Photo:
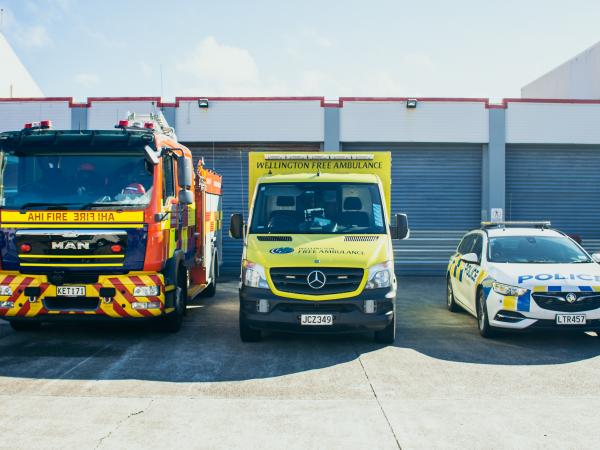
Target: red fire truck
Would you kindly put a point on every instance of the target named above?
(105, 224)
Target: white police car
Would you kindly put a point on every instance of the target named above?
(517, 275)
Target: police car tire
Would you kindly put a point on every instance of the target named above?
(483, 323)
(248, 334)
(388, 334)
(22, 325)
(450, 301)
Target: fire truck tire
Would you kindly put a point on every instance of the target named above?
(22, 325)
(211, 289)
(172, 322)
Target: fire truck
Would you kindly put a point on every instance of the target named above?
(105, 224)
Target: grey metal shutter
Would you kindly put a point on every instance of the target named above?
(556, 183)
(439, 187)
(231, 161)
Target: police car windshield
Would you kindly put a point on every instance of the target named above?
(74, 181)
(318, 208)
(535, 250)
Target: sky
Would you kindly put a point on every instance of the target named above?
(169, 48)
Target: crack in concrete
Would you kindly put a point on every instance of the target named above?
(121, 422)
(377, 398)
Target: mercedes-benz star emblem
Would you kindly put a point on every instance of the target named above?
(571, 298)
(316, 279)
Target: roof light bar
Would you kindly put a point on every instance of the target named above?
(319, 156)
(542, 224)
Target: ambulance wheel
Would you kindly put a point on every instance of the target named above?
(172, 322)
(24, 325)
(388, 334)
(211, 289)
(483, 323)
(450, 301)
(248, 334)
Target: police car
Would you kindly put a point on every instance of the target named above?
(518, 275)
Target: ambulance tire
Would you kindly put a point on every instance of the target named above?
(23, 325)
(483, 323)
(450, 300)
(388, 334)
(172, 322)
(248, 334)
(211, 289)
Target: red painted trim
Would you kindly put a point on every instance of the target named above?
(552, 100)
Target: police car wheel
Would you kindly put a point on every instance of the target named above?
(483, 323)
(248, 334)
(450, 302)
(22, 325)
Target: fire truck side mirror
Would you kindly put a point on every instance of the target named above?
(184, 172)
(399, 228)
(185, 197)
(152, 156)
(236, 226)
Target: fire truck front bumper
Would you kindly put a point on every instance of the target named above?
(136, 295)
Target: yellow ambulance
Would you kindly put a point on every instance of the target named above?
(318, 253)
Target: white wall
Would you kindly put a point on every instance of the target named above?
(431, 121)
(104, 115)
(14, 114)
(250, 121)
(552, 123)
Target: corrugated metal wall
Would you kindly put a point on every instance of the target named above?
(439, 187)
(556, 183)
(231, 161)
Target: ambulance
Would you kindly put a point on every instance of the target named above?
(318, 253)
(524, 275)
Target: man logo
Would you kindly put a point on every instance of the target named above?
(281, 250)
(70, 245)
(571, 298)
(316, 279)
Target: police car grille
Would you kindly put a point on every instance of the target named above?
(556, 301)
(294, 280)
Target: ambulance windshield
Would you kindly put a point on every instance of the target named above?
(318, 208)
(536, 250)
(74, 181)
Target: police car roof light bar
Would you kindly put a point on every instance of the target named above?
(539, 224)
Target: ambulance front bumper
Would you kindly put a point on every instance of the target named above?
(284, 314)
(520, 313)
(33, 297)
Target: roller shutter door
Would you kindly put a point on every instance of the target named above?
(231, 161)
(439, 187)
(556, 183)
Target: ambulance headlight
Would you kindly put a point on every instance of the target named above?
(146, 291)
(507, 289)
(5, 290)
(253, 275)
(380, 275)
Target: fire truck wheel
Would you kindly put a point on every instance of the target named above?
(211, 289)
(248, 334)
(22, 325)
(172, 322)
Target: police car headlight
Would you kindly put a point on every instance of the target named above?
(253, 275)
(146, 291)
(507, 289)
(5, 290)
(380, 275)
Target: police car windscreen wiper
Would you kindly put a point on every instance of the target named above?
(48, 205)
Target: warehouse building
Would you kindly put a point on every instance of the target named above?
(455, 161)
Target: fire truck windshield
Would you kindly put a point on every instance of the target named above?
(72, 181)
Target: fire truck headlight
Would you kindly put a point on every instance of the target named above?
(5, 290)
(7, 304)
(146, 291)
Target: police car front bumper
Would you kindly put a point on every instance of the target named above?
(284, 314)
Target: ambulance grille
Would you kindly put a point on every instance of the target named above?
(361, 238)
(556, 301)
(295, 280)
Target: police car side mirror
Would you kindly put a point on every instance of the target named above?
(236, 226)
(470, 258)
(596, 257)
(399, 227)
(185, 197)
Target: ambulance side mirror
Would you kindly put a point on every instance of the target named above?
(596, 257)
(184, 172)
(185, 197)
(399, 227)
(470, 258)
(236, 226)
